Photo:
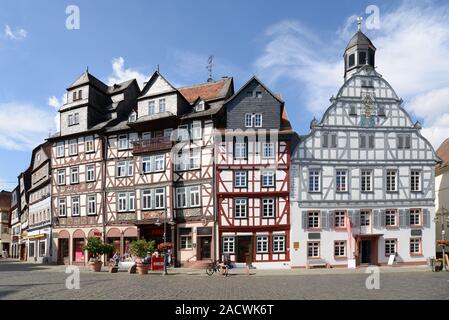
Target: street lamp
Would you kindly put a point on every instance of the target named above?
(442, 213)
(158, 223)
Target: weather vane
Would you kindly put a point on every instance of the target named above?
(210, 66)
(359, 23)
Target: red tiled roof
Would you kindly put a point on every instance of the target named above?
(443, 153)
(207, 91)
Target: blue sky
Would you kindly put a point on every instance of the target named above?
(295, 47)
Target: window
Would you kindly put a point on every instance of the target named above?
(258, 95)
(154, 163)
(80, 94)
(415, 180)
(122, 142)
(188, 160)
(341, 180)
(73, 119)
(74, 175)
(404, 141)
(132, 117)
(381, 111)
(196, 130)
(73, 147)
(126, 201)
(60, 149)
(313, 219)
(240, 207)
(31, 249)
(75, 206)
(183, 132)
(168, 132)
(240, 150)
(186, 242)
(268, 150)
(61, 177)
(366, 180)
(62, 209)
(89, 144)
(253, 120)
(41, 248)
(351, 60)
(268, 208)
(366, 141)
(228, 244)
(267, 178)
(392, 180)
(340, 249)
(329, 140)
(151, 108)
(352, 110)
(390, 218)
(313, 249)
(365, 218)
(249, 94)
(90, 173)
(240, 179)
(415, 246)
(339, 221)
(91, 204)
(124, 168)
(74, 96)
(262, 244)
(153, 199)
(362, 58)
(188, 197)
(161, 105)
(278, 244)
(415, 217)
(314, 181)
(199, 106)
(390, 247)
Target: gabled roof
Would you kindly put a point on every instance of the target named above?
(87, 78)
(443, 154)
(122, 86)
(208, 91)
(149, 83)
(254, 78)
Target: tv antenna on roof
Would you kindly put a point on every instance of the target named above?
(209, 67)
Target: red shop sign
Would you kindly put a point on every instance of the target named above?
(156, 232)
(157, 263)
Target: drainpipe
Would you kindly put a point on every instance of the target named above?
(103, 187)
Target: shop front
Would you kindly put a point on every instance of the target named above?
(78, 244)
(63, 247)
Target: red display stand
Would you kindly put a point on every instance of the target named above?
(157, 263)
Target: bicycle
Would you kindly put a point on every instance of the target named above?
(218, 267)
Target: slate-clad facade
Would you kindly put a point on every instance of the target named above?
(363, 178)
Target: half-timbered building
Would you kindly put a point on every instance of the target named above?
(364, 176)
(252, 179)
(39, 216)
(24, 186)
(78, 160)
(15, 223)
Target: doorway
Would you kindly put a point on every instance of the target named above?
(23, 252)
(365, 251)
(244, 248)
(63, 251)
(204, 248)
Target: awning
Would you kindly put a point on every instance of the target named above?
(38, 236)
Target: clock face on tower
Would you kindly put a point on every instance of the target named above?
(367, 119)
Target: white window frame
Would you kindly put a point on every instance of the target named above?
(127, 166)
(151, 107)
(61, 177)
(340, 219)
(366, 180)
(279, 244)
(268, 207)
(89, 145)
(73, 147)
(185, 242)
(240, 150)
(62, 204)
(262, 244)
(228, 245)
(199, 106)
(190, 197)
(258, 120)
(197, 130)
(122, 142)
(340, 248)
(313, 220)
(126, 201)
(60, 149)
(415, 180)
(415, 213)
(391, 180)
(242, 205)
(248, 120)
(153, 199)
(91, 203)
(75, 200)
(313, 249)
(240, 179)
(412, 246)
(161, 104)
(90, 173)
(268, 178)
(74, 173)
(365, 218)
(314, 181)
(268, 150)
(389, 213)
(391, 244)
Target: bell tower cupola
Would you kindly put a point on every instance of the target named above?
(359, 52)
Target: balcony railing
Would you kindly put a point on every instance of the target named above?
(149, 145)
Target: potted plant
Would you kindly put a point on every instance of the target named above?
(139, 249)
(96, 248)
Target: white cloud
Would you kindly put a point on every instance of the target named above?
(121, 74)
(56, 104)
(412, 45)
(15, 35)
(23, 126)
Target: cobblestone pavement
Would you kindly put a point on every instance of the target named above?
(28, 281)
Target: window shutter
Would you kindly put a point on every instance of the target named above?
(407, 218)
(376, 220)
(371, 141)
(382, 218)
(400, 142)
(304, 219)
(407, 142)
(362, 141)
(331, 219)
(402, 218)
(356, 217)
(334, 140)
(324, 220)
(325, 140)
(426, 218)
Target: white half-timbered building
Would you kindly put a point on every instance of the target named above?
(252, 179)
(363, 178)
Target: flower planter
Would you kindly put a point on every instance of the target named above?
(95, 266)
(142, 268)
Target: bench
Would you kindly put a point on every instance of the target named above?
(313, 263)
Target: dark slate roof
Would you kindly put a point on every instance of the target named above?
(87, 78)
(359, 39)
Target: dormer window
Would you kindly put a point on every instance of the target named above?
(199, 106)
(259, 95)
(132, 117)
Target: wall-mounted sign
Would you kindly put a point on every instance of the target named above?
(296, 245)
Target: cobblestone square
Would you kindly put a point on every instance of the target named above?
(29, 281)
